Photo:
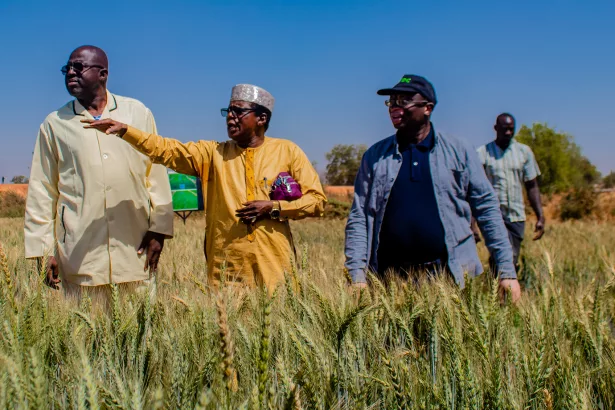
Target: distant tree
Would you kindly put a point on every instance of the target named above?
(19, 179)
(584, 173)
(609, 180)
(579, 203)
(344, 162)
(560, 160)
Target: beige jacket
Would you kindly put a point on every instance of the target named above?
(92, 197)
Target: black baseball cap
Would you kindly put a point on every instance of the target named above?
(412, 84)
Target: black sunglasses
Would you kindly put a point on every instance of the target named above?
(405, 103)
(238, 111)
(79, 68)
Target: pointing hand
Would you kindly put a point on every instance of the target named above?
(108, 126)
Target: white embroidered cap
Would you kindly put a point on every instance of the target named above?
(253, 94)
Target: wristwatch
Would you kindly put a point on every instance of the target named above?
(275, 211)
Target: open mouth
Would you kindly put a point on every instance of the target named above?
(396, 118)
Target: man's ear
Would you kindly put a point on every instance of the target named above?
(103, 73)
(262, 120)
(429, 109)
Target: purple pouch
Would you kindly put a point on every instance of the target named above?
(285, 188)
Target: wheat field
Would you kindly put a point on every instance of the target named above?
(313, 343)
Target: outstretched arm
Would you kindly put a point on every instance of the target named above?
(187, 158)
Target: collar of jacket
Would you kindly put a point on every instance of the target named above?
(79, 109)
(392, 147)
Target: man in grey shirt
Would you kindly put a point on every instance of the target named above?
(509, 166)
(447, 185)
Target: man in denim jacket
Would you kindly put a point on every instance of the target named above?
(414, 197)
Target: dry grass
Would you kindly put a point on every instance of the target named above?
(342, 193)
(314, 344)
(12, 204)
(19, 189)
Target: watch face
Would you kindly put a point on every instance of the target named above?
(275, 213)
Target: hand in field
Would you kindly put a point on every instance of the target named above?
(512, 286)
(108, 126)
(356, 290)
(540, 229)
(52, 278)
(475, 230)
(152, 243)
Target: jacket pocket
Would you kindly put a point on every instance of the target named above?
(63, 223)
(460, 182)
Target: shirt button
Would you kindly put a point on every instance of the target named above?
(415, 164)
(108, 188)
(105, 156)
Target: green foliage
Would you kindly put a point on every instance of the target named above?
(335, 209)
(344, 163)
(12, 205)
(578, 204)
(560, 160)
(19, 179)
(314, 344)
(609, 180)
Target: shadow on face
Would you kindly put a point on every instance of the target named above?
(86, 72)
(409, 110)
(505, 127)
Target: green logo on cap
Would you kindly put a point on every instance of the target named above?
(405, 80)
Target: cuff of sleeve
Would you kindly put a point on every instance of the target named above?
(508, 275)
(39, 249)
(34, 257)
(528, 178)
(286, 209)
(357, 276)
(134, 136)
(168, 233)
(162, 221)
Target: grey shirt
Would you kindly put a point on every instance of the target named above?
(508, 170)
(461, 190)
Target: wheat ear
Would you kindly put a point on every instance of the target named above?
(226, 346)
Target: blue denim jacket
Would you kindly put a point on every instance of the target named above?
(461, 190)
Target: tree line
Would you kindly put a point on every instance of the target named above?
(561, 162)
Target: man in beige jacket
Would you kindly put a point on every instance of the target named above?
(91, 224)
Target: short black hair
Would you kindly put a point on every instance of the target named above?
(260, 110)
(504, 115)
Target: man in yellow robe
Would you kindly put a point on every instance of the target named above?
(97, 210)
(248, 237)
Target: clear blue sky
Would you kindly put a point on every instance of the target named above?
(550, 61)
